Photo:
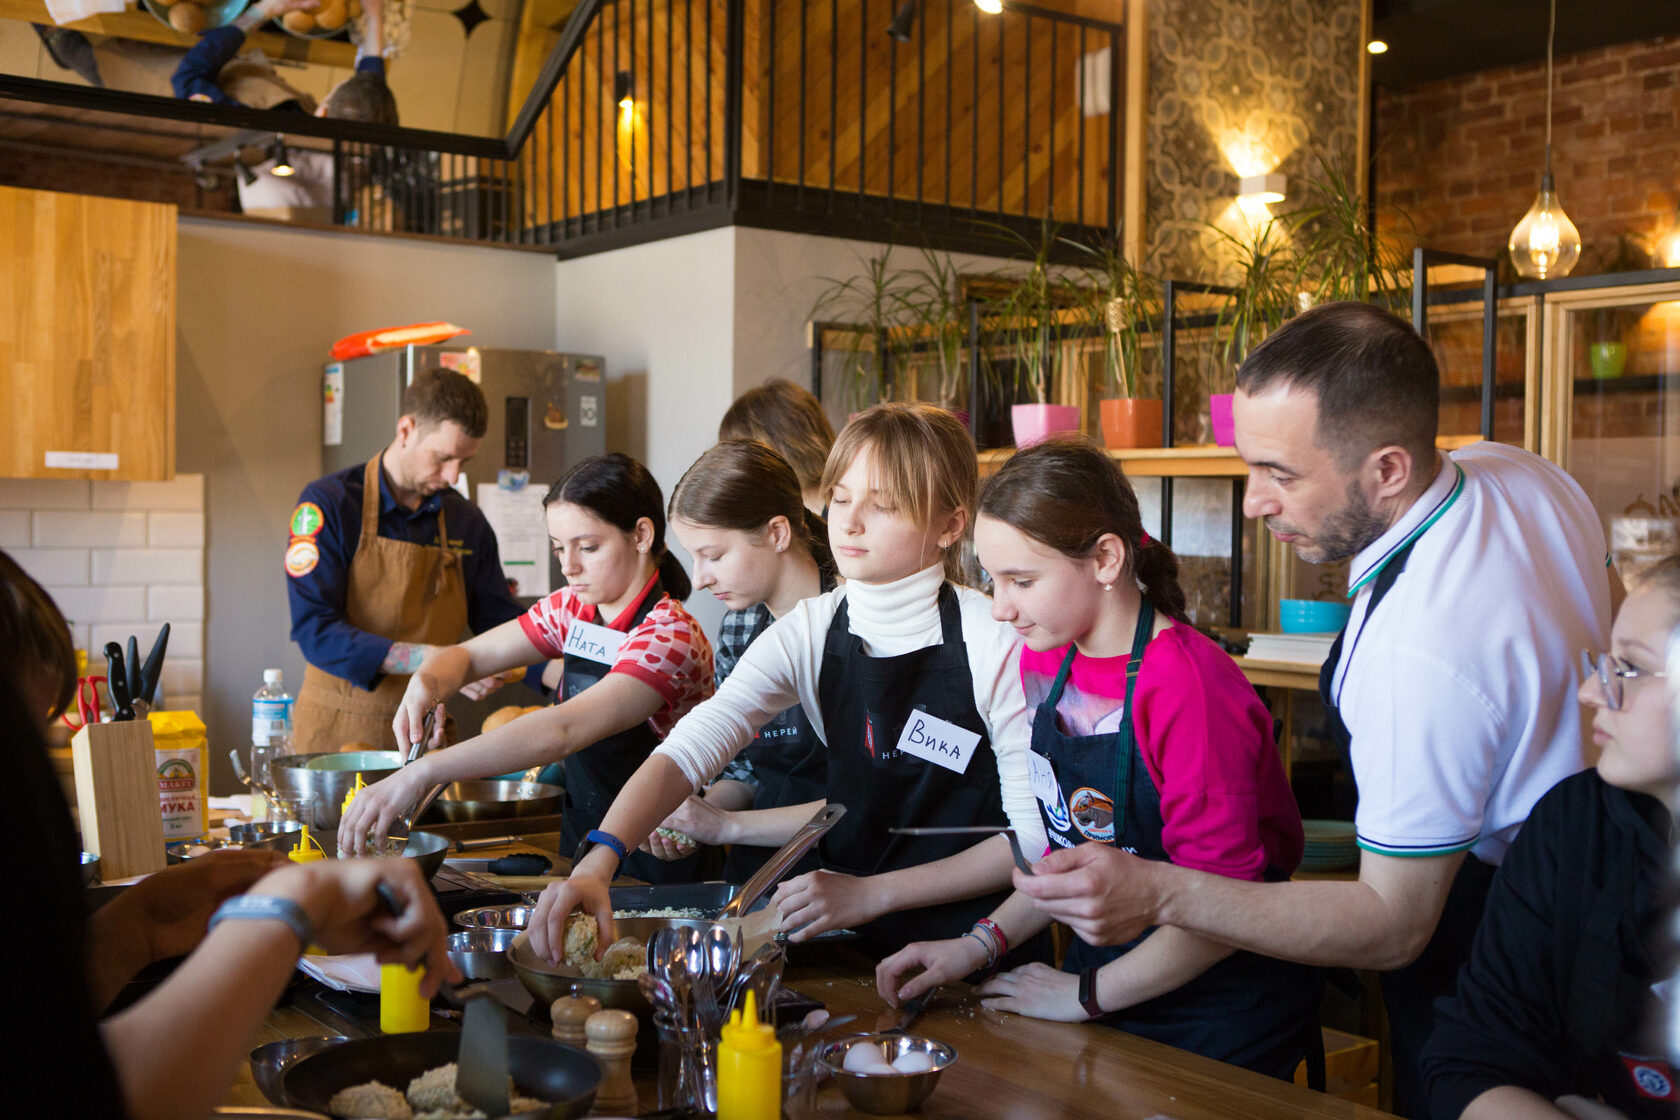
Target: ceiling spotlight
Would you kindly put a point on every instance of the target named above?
(1262, 188)
(900, 27)
(282, 162)
(246, 175)
(990, 7)
(624, 90)
(1377, 46)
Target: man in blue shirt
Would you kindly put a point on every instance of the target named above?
(385, 561)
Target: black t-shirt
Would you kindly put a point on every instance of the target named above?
(53, 1061)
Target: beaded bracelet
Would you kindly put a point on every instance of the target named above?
(996, 931)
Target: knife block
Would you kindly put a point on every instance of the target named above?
(117, 797)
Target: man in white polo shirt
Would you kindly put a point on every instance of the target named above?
(1476, 579)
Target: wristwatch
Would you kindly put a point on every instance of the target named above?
(595, 839)
(1088, 994)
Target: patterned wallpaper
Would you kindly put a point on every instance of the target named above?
(1242, 87)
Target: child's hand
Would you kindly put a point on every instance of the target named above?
(1036, 990)
(824, 900)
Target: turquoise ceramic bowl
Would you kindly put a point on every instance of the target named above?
(1312, 616)
(215, 14)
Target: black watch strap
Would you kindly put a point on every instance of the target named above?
(1088, 994)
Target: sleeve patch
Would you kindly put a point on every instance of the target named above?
(301, 557)
(306, 520)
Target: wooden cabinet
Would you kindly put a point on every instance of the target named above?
(87, 337)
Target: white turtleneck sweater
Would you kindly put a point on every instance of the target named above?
(781, 668)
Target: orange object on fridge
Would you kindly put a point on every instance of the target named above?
(363, 343)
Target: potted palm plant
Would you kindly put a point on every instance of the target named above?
(1118, 300)
(871, 303)
(931, 307)
(1032, 314)
(1266, 294)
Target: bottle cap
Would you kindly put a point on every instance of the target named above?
(303, 853)
(744, 1031)
(350, 794)
(273, 676)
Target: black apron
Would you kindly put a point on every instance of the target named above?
(1410, 992)
(791, 767)
(866, 702)
(596, 774)
(1249, 1010)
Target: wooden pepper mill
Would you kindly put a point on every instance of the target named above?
(612, 1040)
(570, 1014)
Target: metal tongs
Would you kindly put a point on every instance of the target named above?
(403, 825)
(975, 830)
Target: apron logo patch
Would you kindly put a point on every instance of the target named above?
(1652, 1077)
(306, 520)
(301, 558)
(1093, 814)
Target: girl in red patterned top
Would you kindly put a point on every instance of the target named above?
(634, 662)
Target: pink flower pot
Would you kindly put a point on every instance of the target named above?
(1219, 412)
(1034, 423)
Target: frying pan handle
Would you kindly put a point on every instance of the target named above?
(777, 866)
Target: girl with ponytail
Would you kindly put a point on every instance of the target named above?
(635, 661)
(739, 512)
(1145, 735)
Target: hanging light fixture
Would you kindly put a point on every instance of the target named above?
(246, 175)
(1546, 243)
(990, 7)
(282, 162)
(900, 27)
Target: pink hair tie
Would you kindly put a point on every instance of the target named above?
(1143, 540)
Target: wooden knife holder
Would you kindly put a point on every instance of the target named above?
(117, 797)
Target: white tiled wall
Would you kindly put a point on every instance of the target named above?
(119, 558)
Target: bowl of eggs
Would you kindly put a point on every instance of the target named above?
(884, 1074)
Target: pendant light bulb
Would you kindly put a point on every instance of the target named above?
(1545, 244)
(990, 7)
(282, 161)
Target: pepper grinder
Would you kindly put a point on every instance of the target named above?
(612, 1040)
(570, 1014)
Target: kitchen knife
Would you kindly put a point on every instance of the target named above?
(116, 680)
(520, 863)
(975, 830)
(154, 666)
(897, 1020)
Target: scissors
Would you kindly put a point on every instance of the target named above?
(87, 703)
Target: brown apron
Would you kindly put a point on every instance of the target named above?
(402, 591)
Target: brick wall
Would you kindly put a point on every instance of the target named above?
(118, 558)
(1463, 156)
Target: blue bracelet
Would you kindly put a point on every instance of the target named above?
(266, 906)
(596, 836)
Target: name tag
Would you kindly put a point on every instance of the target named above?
(934, 740)
(592, 642)
(1044, 785)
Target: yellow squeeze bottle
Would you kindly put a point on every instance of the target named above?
(749, 1067)
(401, 1006)
(303, 853)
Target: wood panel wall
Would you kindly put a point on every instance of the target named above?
(87, 333)
(976, 111)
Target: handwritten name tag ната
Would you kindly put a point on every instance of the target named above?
(593, 642)
(937, 741)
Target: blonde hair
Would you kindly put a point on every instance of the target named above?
(924, 464)
(789, 419)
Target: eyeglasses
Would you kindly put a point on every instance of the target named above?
(1611, 672)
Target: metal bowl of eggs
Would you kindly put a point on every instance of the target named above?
(883, 1074)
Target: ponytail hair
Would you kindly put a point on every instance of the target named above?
(924, 463)
(744, 484)
(1066, 493)
(620, 491)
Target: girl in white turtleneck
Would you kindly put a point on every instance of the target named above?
(910, 683)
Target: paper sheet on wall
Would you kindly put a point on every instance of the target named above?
(521, 531)
(332, 405)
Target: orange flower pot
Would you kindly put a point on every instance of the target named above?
(1131, 422)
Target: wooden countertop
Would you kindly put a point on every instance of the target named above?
(1009, 1067)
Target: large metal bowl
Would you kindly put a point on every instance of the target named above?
(481, 954)
(324, 779)
(270, 1060)
(541, 1068)
(549, 982)
(496, 800)
(279, 836)
(512, 916)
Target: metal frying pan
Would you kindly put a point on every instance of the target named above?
(541, 1068)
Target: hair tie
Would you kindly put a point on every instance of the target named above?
(1143, 538)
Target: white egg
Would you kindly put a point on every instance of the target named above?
(913, 1061)
(866, 1057)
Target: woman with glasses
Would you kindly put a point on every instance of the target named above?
(1560, 1010)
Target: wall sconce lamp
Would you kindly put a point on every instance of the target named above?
(900, 27)
(246, 175)
(1271, 187)
(1377, 46)
(1668, 245)
(624, 90)
(990, 7)
(282, 162)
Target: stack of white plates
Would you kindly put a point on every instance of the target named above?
(1331, 846)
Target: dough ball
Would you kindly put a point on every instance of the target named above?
(373, 1099)
(532, 708)
(582, 936)
(188, 19)
(624, 955)
(501, 717)
(166, 3)
(299, 22)
(332, 14)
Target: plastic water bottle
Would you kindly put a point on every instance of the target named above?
(271, 733)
